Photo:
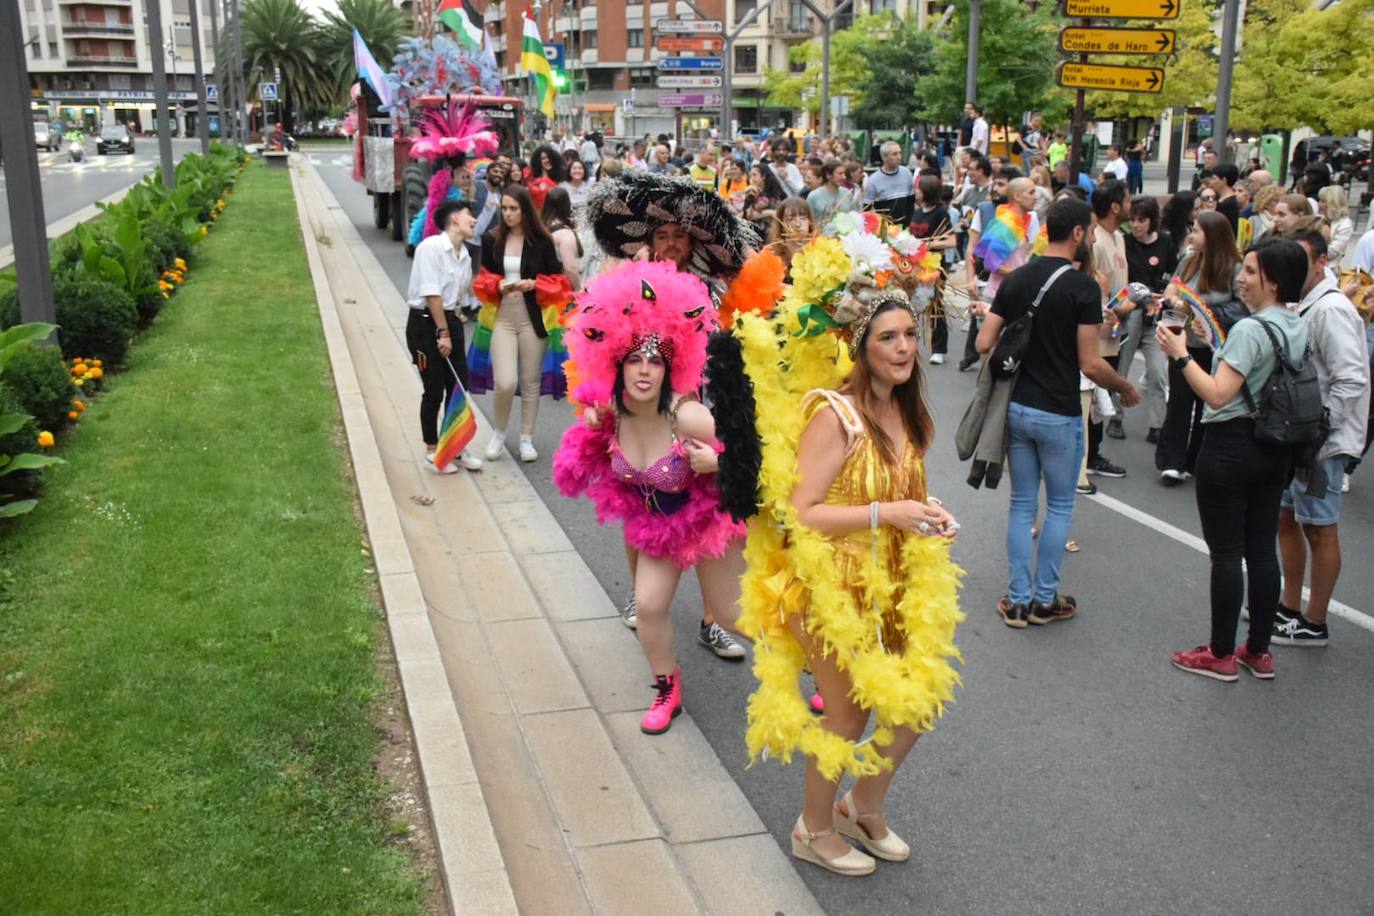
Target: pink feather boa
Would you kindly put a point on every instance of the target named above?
(697, 531)
(438, 193)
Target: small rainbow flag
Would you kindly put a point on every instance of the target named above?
(1121, 297)
(458, 429)
(1000, 240)
(1205, 323)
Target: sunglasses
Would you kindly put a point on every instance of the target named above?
(1208, 197)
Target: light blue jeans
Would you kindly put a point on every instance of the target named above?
(1043, 446)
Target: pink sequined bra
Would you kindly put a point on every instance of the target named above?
(663, 484)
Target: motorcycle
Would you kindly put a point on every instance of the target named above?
(76, 148)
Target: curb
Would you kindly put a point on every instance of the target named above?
(61, 227)
(462, 824)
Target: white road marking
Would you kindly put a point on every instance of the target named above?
(1343, 611)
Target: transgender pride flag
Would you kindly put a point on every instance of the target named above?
(370, 70)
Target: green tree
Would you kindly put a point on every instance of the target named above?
(282, 35)
(382, 26)
(1017, 50)
(799, 86)
(1190, 78)
(889, 56)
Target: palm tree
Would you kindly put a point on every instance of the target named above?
(382, 26)
(282, 35)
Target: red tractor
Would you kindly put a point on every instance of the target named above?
(399, 185)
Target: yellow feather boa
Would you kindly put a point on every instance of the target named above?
(784, 574)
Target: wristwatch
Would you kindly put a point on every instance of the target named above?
(1183, 361)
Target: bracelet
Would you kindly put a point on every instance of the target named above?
(442, 332)
(873, 515)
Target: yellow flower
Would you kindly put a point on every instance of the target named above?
(818, 268)
(97, 372)
(181, 265)
(78, 382)
(45, 439)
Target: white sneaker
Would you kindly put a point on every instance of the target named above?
(1345, 483)
(449, 468)
(496, 447)
(527, 452)
(937, 359)
(1172, 474)
(470, 461)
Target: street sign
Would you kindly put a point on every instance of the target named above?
(1123, 9)
(690, 63)
(211, 92)
(675, 81)
(688, 26)
(1116, 41)
(691, 100)
(627, 105)
(267, 92)
(554, 52)
(1110, 78)
(699, 43)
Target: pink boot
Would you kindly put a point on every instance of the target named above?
(667, 703)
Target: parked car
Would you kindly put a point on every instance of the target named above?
(44, 137)
(114, 139)
(1346, 154)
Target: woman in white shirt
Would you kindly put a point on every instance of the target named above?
(1335, 206)
(577, 185)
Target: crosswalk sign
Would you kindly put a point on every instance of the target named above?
(211, 92)
(267, 92)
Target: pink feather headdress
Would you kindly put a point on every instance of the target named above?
(635, 305)
(452, 131)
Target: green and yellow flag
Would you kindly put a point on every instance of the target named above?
(533, 62)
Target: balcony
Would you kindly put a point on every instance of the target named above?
(95, 27)
(495, 12)
(123, 3)
(791, 27)
(88, 60)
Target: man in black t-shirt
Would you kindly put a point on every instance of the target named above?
(1224, 178)
(1045, 419)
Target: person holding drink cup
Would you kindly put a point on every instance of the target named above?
(1151, 258)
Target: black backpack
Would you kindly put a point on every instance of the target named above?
(1290, 410)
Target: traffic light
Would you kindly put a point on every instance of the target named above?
(560, 80)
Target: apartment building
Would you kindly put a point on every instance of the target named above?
(89, 61)
(613, 65)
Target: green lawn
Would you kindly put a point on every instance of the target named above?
(188, 636)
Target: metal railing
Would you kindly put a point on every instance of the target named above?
(77, 25)
(94, 61)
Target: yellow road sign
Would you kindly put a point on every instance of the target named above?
(1109, 78)
(1116, 41)
(1123, 9)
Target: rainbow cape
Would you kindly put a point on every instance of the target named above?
(1205, 323)
(1000, 240)
(458, 429)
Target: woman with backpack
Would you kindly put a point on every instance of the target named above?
(1240, 478)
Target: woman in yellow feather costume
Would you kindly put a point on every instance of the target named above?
(849, 568)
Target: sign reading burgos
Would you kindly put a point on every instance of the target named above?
(1122, 9)
(1078, 40)
(1110, 78)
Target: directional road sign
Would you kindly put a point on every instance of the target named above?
(1123, 9)
(698, 43)
(1110, 78)
(674, 81)
(1116, 41)
(690, 63)
(267, 92)
(688, 26)
(691, 100)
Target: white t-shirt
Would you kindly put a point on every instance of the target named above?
(439, 270)
(1116, 168)
(979, 141)
(1364, 252)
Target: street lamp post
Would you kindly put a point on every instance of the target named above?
(164, 129)
(202, 115)
(220, 94)
(174, 106)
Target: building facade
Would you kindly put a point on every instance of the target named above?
(90, 62)
(612, 62)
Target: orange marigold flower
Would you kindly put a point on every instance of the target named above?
(45, 439)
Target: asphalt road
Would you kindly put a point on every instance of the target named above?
(1077, 772)
(69, 186)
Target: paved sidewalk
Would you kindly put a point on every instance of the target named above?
(588, 815)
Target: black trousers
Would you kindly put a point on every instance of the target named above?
(1239, 484)
(939, 334)
(971, 341)
(1180, 437)
(435, 375)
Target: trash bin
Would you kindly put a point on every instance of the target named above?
(1271, 148)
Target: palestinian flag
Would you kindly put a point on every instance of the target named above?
(463, 21)
(533, 62)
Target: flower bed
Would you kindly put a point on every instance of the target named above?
(111, 277)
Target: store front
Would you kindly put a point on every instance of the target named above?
(93, 110)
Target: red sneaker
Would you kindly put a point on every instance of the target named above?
(1260, 664)
(1202, 661)
(666, 706)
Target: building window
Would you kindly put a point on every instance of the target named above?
(634, 38)
(743, 8)
(795, 66)
(589, 40)
(747, 59)
(642, 78)
(600, 79)
(884, 6)
(52, 49)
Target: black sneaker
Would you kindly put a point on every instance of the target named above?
(1013, 615)
(1281, 615)
(1087, 489)
(1299, 631)
(1115, 430)
(1152, 436)
(967, 364)
(1104, 468)
(1061, 608)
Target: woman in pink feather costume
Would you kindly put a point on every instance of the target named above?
(646, 451)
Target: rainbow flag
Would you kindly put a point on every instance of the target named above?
(1205, 323)
(533, 62)
(1121, 297)
(458, 429)
(1000, 240)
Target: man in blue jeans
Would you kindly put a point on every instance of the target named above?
(1044, 420)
